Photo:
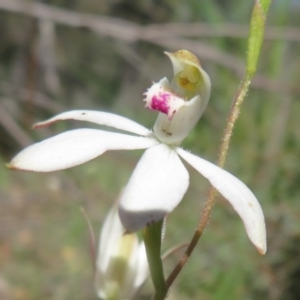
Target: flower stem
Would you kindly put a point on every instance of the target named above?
(152, 240)
(255, 39)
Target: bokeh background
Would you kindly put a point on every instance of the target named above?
(59, 55)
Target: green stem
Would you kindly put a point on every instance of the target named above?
(152, 240)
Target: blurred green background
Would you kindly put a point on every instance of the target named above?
(86, 54)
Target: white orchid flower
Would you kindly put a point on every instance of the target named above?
(122, 265)
(160, 179)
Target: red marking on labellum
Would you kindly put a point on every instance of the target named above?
(160, 103)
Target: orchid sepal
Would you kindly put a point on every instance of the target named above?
(73, 148)
(100, 118)
(238, 195)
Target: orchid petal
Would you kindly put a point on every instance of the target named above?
(73, 148)
(155, 188)
(237, 193)
(101, 118)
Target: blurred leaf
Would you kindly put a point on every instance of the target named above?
(256, 35)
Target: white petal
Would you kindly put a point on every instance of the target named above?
(237, 193)
(74, 147)
(155, 188)
(101, 118)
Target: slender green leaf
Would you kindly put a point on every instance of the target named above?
(256, 35)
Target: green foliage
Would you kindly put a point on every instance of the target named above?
(256, 35)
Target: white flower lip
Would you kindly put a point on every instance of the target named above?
(172, 129)
(163, 100)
